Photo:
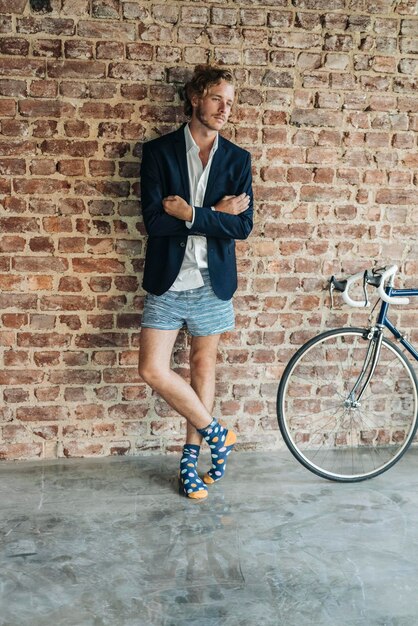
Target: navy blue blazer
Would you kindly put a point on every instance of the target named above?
(164, 173)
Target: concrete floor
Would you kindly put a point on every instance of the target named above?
(109, 542)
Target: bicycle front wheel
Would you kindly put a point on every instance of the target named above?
(320, 424)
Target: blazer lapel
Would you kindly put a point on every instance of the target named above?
(214, 170)
(180, 148)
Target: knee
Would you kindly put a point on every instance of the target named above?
(149, 373)
(201, 363)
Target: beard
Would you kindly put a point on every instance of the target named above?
(206, 120)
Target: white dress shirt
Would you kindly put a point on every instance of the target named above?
(196, 256)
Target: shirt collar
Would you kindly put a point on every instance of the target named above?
(192, 145)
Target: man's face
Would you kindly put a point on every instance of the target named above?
(212, 110)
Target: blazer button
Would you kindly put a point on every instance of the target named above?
(183, 245)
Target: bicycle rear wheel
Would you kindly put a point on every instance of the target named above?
(322, 428)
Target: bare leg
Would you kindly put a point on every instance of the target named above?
(203, 353)
(155, 351)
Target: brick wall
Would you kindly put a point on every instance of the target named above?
(327, 104)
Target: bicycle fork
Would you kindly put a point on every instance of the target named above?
(375, 338)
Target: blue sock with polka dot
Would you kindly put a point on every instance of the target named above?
(190, 484)
(221, 442)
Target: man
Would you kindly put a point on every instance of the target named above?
(196, 200)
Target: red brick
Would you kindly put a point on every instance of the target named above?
(43, 340)
(396, 196)
(101, 168)
(72, 321)
(47, 394)
(122, 375)
(7, 108)
(78, 49)
(41, 413)
(18, 6)
(11, 283)
(134, 393)
(52, 25)
(128, 411)
(100, 321)
(10, 167)
(39, 264)
(47, 48)
(134, 72)
(39, 283)
(42, 359)
(75, 69)
(41, 244)
(77, 128)
(13, 358)
(102, 340)
(47, 432)
(14, 320)
(100, 283)
(58, 224)
(133, 91)
(78, 376)
(12, 148)
(75, 359)
(70, 283)
(155, 32)
(120, 448)
(74, 394)
(42, 167)
(99, 266)
(20, 377)
(40, 186)
(61, 147)
(89, 412)
(103, 430)
(107, 394)
(66, 303)
(13, 88)
(12, 432)
(73, 167)
(82, 449)
(17, 451)
(44, 128)
(22, 67)
(110, 50)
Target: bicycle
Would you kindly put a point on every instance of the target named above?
(347, 402)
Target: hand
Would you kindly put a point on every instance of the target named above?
(177, 207)
(234, 205)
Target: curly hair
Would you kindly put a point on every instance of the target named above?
(204, 76)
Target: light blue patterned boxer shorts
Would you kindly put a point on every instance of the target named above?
(200, 310)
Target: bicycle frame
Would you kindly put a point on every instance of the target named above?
(383, 319)
(373, 352)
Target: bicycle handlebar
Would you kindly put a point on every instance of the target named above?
(376, 278)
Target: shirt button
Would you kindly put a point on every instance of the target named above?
(183, 245)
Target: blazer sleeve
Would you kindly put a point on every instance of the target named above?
(224, 225)
(157, 222)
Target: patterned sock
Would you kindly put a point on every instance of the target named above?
(221, 441)
(189, 482)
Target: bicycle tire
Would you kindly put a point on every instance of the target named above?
(331, 439)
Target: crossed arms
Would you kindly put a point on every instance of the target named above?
(166, 215)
